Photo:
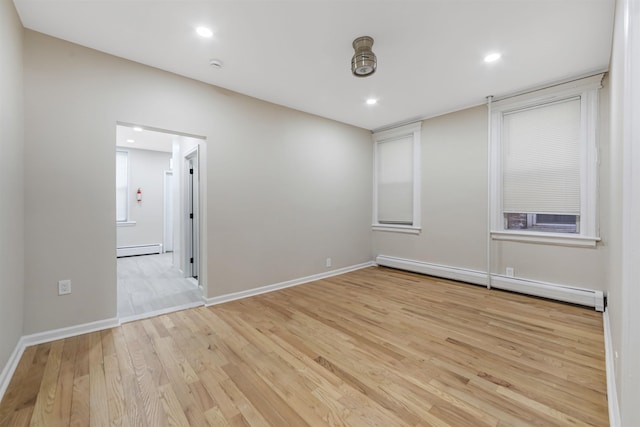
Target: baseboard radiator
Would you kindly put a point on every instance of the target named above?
(570, 294)
(139, 250)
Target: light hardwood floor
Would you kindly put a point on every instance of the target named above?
(376, 347)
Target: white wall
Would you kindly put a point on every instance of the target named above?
(454, 211)
(284, 189)
(146, 171)
(454, 195)
(291, 190)
(624, 271)
(11, 181)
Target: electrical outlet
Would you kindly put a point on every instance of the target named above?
(328, 262)
(64, 287)
(510, 272)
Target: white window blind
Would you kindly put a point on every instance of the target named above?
(541, 159)
(122, 185)
(395, 181)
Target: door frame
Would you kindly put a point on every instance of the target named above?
(191, 205)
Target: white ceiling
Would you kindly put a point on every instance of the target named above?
(144, 139)
(297, 53)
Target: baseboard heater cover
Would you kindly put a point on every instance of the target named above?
(446, 272)
(573, 295)
(139, 250)
(581, 296)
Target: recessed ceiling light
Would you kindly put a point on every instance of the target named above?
(372, 101)
(131, 141)
(138, 129)
(204, 32)
(492, 57)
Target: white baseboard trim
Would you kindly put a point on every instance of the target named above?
(10, 367)
(57, 334)
(574, 295)
(612, 391)
(47, 336)
(452, 273)
(71, 331)
(282, 285)
(155, 313)
(155, 248)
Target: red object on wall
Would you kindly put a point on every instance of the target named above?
(139, 195)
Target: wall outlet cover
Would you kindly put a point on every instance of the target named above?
(64, 287)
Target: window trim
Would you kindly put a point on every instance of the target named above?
(557, 239)
(587, 90)
(413, 130)
(127, 221)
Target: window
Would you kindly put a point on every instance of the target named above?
(122, 186)
(397, 179)
(544, 165)
(542, 222)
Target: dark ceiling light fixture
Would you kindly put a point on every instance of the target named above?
(364, 61)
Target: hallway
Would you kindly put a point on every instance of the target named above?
(149, 283)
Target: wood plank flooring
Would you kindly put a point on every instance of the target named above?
(376, 347)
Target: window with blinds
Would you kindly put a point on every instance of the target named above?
(397, 179)
(541, 167)
(122, 186)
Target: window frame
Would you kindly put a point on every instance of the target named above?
(126, 221)
(532, 218)
(536, 222)
(412, 130)
(588, 231)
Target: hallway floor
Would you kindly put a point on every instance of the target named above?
(150, 283)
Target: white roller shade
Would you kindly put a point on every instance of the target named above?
(122, 185)
(541, 159)
(395, 181)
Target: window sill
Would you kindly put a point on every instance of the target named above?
(557, 239)
(125, 223)
(406, 229)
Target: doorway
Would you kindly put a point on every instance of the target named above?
(158, 221)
